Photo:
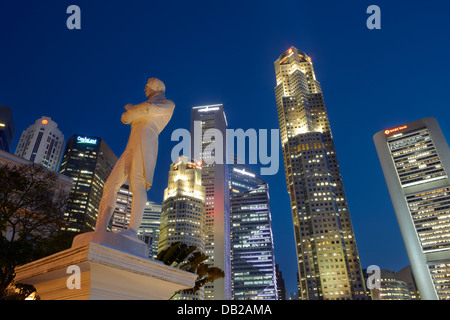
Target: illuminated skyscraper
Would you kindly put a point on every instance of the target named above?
(42, 143)
(183, 210)
(88, 161)
(150, 226)
(415, 159)
(253, 271)
(209, 124)
(328, 260)
(122, 213)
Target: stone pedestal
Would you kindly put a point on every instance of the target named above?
(106, 273)
(118, 240)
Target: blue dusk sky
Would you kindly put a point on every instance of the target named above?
(210, 52)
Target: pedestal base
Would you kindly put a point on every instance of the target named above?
(117, 240)
(105, 274)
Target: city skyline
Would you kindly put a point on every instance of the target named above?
(82, 80)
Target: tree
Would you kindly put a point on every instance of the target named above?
(188, 258)
(32, 204)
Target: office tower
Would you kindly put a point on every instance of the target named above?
(204, 120)
(415, 159)
(149, 229)
(252, 252)
(121, 216)
(281, 287)
(7, 128)
(328, 260)
(42, 143)
(407, 277)
(183, 211)
(389, 287)
(88, 161)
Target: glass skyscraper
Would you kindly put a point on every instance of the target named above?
(88, 161)
(149, 229)
(209, 124)
(415, 159)
(253, 270)
(328, 260)
(122, 213)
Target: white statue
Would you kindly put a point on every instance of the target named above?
(137, 163)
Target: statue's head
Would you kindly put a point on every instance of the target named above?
(154, 86)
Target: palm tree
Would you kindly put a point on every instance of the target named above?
(189, 258)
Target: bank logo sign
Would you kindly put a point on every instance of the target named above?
(81, 139)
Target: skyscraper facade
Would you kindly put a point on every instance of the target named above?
(183, 211)
(88, 161)
(253, 273)
(208, 127)
(7, 128)
(121, 216)
(42, 143)
(183, 207)
(415, 159)
(328, 260)
(150, 226)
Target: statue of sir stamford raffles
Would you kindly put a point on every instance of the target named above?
(137, 163)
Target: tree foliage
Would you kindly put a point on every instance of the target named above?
(188, 258)
(32, 206)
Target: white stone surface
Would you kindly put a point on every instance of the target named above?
(106, 274)
(117, 240)
(137, 163)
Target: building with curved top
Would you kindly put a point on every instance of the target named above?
(389, 287)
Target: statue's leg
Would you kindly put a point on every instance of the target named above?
(139, 190)
(112, 185)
